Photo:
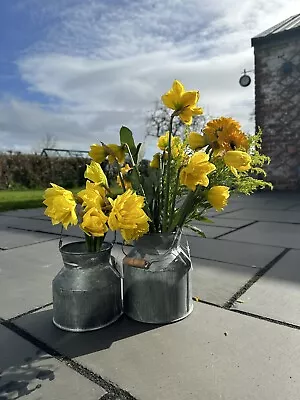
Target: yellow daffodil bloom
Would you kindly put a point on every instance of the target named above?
(196, 171)
(92, 196)
(237, 161)
(95, 173)
(61, 206)
(218, 197)
(113, 152)
(177, 147)
(196, 141)
(124, 172)
(155, 163)
(97, 153)
(128, 216)
(94, 222)
(182, 101)
(163, 141)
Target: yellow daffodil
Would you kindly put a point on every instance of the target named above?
(97, 153)
(128, 216)
(124, 172)
(237, 161)
(196, 171)
(113, 152)
(92, 196)
(218, 196)
(163, 141)
(94, 222)
(155, 163)
(95, 173)
(196, 141)
(183, 102)
(61, 206)
(177, 147)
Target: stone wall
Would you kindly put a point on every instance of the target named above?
(277, 106)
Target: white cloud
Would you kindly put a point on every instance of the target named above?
(104, 64)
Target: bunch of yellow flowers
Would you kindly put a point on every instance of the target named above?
(96, 211)
(185, 178)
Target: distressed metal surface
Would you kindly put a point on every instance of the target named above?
(162, 291)
(87, 291)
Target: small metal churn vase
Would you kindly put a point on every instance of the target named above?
(87, 290)
(157, 280)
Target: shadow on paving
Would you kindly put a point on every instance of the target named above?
(74, 345)
(21, 378)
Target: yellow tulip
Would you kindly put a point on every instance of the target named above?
(163, 141)
(128, 216)
(95, 173)
(196, 141)
(218, 196)
(94, 222)
(182, 101)
(61, 206)
(196, 171)
(237, 161)
(92, 196)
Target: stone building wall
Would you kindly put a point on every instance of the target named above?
(277, 106)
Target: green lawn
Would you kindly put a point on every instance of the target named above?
(15, 199)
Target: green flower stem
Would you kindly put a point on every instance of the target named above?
(168, 178)
(185, 210)
(174, 197)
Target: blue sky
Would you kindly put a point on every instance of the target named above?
(80, 69)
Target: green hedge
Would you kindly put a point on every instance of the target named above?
(34, 171)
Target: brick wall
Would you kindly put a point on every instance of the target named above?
(277, 106)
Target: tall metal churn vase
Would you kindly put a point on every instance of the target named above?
(158, 280)
(87, 290)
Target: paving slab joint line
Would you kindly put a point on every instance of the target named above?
(248, 314)
(235, 229)
(109, 387)
(254, 279)
(29, 312)
(261, 317)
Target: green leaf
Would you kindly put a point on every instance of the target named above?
(197, 230)
(140, 152)
(205, 219)
(126, 137)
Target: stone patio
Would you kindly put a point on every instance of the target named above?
(242, 341)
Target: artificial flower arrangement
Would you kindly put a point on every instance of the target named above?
(185, 178)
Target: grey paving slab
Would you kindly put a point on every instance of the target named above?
(247, 254)
(27, 372)
(26, 275)
(295, 208)
(277, 293)
(269, 233)
(12, 238)
(191, 359)
(216, 282)
(265, 215)
(27, 213)
(210, 231)
(224, 222)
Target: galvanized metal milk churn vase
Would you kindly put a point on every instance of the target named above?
(87, 290)
(157, 279)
